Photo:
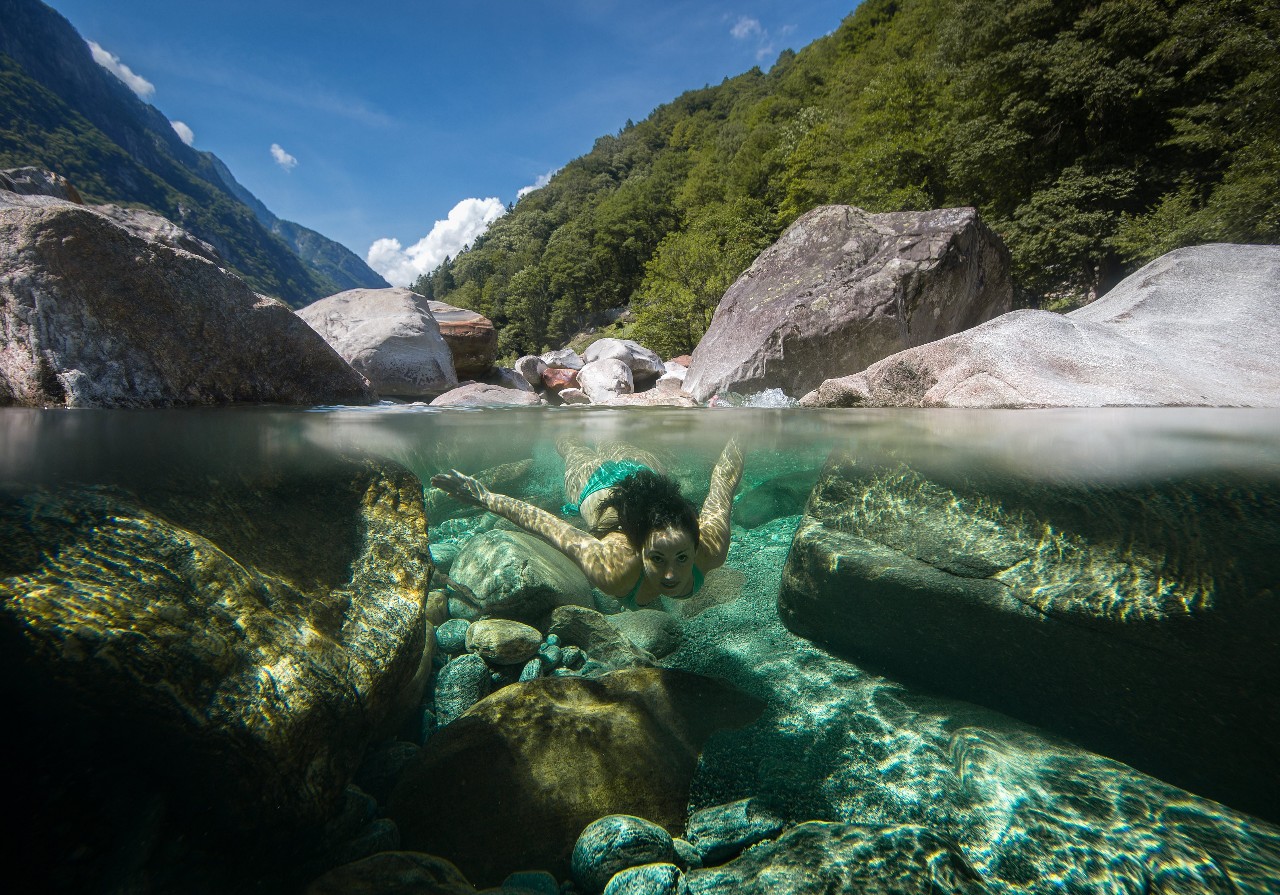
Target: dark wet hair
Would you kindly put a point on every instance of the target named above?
(647, 501)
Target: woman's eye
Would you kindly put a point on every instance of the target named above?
(682, 558)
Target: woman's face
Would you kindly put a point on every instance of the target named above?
(668, 561)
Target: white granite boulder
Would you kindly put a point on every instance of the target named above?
(604, 379)
(644, 364)
(1198, 326)
(480, 394)
(390, 336)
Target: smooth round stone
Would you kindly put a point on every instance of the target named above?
(647, 879)
(572, 656)
(451, 636)
(614, 843)
(552, 655)
(687, 856)
(553, 640)
(501, 641)
(460, 685)
(531, 671)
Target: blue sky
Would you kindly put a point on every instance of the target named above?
(376, 120)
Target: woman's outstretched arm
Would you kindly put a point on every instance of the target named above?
(713, 521)
(609, 566)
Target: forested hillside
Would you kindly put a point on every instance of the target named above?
(1093, 136)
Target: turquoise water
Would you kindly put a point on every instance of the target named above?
(958, 741)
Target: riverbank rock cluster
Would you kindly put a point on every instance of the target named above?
(110, 307)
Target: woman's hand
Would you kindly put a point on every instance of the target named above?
(461, 487)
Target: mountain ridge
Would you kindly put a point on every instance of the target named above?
(71, 116)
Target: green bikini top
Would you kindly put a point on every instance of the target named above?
(607, 474)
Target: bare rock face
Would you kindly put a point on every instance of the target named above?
(35, 182)
(556, 754)
(1198, 326)
(107, 307)
(842, 289)
(389, 336)
(234, 640)
(470, 336)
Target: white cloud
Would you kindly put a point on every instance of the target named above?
(467, 220)
(543, 180)
(283, 159)
(746, 27)
(111, 62)
(185, 134)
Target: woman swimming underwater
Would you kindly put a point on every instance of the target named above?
(645, 539)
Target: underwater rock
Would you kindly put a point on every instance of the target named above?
(558, 753)
(816, 858)
(1198, 326)
(723, 831)
(687, 857)
(379, 835)
(518, 576)
(500, 641)
(388, 336)
(238, 635)
(394, 873)
(536, 882)
(783, 495)
(451, 636)
(110, 307)
(1154, 600)
(842, 289)
(460, 685)
(591, 632)
(651, 630)
(614, 843)
(382, 767)
(647, 879)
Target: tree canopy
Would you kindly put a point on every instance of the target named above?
(1093, 135)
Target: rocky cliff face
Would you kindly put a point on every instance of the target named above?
(66, 114)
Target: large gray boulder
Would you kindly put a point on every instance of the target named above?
(390, 336)
(1154, 600)
(108, 307)
(1198, 326)
(842, 289)
(235, 637)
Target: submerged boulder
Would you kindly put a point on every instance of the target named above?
(556, 754)
(1137, 620)
(1198, 326)
(235, 640)
(471, 338)
(109, 307)
(843, 288)
(518, 576)
(389, 336)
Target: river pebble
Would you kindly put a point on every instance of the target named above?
(614, 843)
